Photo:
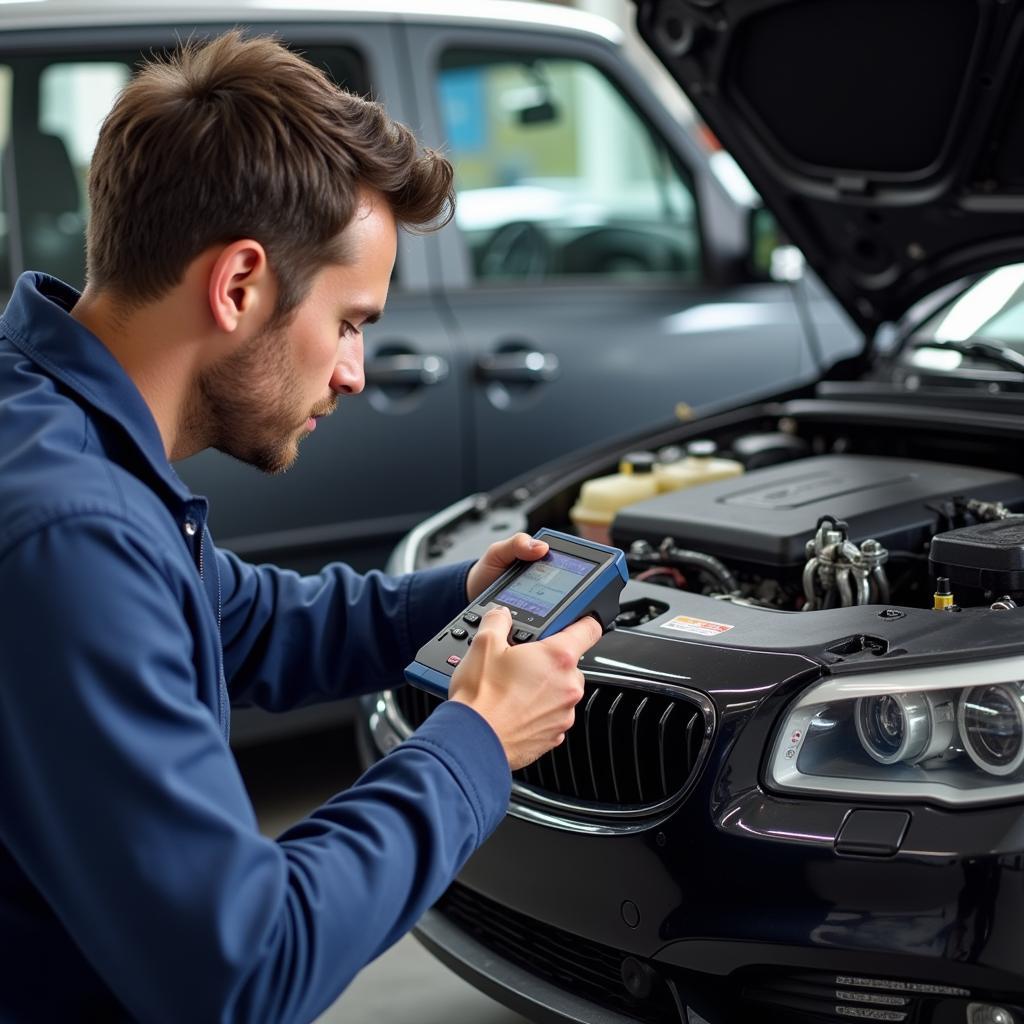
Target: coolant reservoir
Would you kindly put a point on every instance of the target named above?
(701, 465)
(603, 496)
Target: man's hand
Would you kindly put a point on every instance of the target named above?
(498, 557)
(527, 693)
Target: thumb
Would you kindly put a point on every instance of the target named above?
(494, 628)
(582, 634)
(520, 546)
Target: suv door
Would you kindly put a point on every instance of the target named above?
(586, 268)
(371, 471)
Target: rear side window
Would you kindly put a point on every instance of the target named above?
(52, 148)
(558, 175)
(51, 117)
(6, 86)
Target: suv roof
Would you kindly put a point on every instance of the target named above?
(35, 14)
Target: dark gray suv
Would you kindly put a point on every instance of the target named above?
(597, 274)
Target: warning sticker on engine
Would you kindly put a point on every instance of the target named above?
(702, 627)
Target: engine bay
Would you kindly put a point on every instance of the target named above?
(811, 504)
(829, 531)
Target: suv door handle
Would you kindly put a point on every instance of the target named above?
(405, 370)
(520, 367)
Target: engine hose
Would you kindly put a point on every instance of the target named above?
(707, 564)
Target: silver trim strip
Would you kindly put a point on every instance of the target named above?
(914, 680)
(875, 998)
(411, 542)
(53, 14)
(918, 987)
(863, 1013)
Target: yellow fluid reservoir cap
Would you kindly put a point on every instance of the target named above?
(638, 462)
(943, 596)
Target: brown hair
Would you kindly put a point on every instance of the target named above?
(241, 138)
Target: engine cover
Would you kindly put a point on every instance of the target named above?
(986, 556)
(765, 517)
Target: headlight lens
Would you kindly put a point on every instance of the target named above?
(953, 734)
(991, 721)
(909, 727)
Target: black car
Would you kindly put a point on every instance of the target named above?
(795, 784)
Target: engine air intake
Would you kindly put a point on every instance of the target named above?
(585, 968)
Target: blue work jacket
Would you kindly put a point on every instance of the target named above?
(134, 883)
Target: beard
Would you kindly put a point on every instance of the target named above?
(251, 405)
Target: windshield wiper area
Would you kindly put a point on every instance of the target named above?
(991, 351)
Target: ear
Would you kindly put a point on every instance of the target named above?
(241, 288)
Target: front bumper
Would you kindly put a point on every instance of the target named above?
(728, 917)
(516, 987)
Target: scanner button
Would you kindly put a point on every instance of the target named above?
(520, 636)
(471, 619)
(459, 633)
(453, 660)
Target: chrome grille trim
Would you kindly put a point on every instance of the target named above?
(862, 1013)
(917, 987)
(530, 803)
(875, 998)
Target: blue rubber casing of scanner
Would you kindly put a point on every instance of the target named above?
(598, 596)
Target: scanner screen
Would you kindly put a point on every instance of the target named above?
(545, 583)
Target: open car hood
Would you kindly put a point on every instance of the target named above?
(887, 136)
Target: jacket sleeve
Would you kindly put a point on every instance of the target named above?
(122, 804)
(290, 640)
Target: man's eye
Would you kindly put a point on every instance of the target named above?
(348, 329)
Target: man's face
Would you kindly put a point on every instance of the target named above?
(266, 397)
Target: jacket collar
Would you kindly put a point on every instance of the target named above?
(38, 323)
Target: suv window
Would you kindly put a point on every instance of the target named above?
(558, 175)
(57, 108)
(6, 84)
(55, 133)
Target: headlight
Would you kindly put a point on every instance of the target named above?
(953, 734)
(910, 727)
(991, 721)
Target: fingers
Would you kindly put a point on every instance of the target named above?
(494, 627)
(578, 638)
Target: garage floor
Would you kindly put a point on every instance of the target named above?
(289, 778)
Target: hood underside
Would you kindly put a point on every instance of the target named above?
(887, 136)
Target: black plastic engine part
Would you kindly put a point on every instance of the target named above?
(765, 517)
(986, 556)
(756, 451)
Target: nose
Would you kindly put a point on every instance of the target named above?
(348, 377)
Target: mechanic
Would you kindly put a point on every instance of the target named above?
(243, 233)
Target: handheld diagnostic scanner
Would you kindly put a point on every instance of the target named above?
(575, 578)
